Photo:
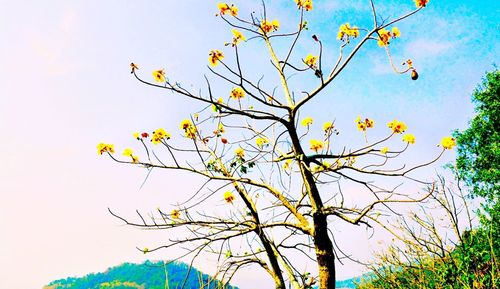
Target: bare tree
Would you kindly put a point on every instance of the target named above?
(283, 187)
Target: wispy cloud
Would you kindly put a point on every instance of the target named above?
(425, 47)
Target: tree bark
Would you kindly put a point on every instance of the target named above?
(324, 252)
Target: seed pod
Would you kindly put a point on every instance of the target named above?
(414, 74)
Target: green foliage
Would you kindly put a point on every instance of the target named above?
(479, 146)
(149, 275)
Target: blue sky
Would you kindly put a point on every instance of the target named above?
(65, 86)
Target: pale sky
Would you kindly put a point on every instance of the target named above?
(65, 86)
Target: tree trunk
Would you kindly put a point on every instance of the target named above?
(324, 252)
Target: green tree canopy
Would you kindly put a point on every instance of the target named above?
(478, 146)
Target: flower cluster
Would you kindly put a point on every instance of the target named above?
(189, 128)
(409, 138)
(311, 60)
(239, 153)
(364, 124)
(175, 214)
(224, 9)
(129, 153)
(328, 126)
(421, 3)
(316, 145)
(215, 56)
(307, 121)
(159, 75)
(306, 4)
(448, 142)
(237, 37)
(159, 135)
(229, 197)
(261, 142)
(385, 35)
(237, 93)
(397, 126)
(105, 148)
(346, 31)
(269, 26)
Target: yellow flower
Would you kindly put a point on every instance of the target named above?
(239, 152)
(316, 145)
(105, 148)
(346, 31)
(448, 142)
(145, 250)
(175, 214)
(363, 125)
(215, 56)
(159, 135)
(384, 150)
(421, 3)
(159, 75)
(395, 32)
(128, 152)
(185, 124)
(397, 126)
(307, 121)
(384, 37)
(225, 8)
(306, 4)
(135, 159)
(261, 141)
(287, 164)
(409, 138)
(136, 135)
(311, 60)
(237, 93)
(229, 197)
(237, 37)
(267, 26)
(328, 126)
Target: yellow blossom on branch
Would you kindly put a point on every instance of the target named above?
(185, 124)
(229, 197)
(307, 121)
(159, 135)
(316, 145)
(215, 56)
(409, 138)
(237, 93)
(328, 126)
(175, 214)
(311, 60)
(364, 124)
(397, 126)
(395, 32)
(384, 150)
(261, 142)
(159, 75)
(128, 152)
(346, 31)
(224, 9)
(268, 26)
(237, 37)
(421, 3)
(287, 164)
(239, 152)
(448, 142)
(383, 37)
(105, 148)
(306, 4)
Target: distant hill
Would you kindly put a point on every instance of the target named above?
(148, 275)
